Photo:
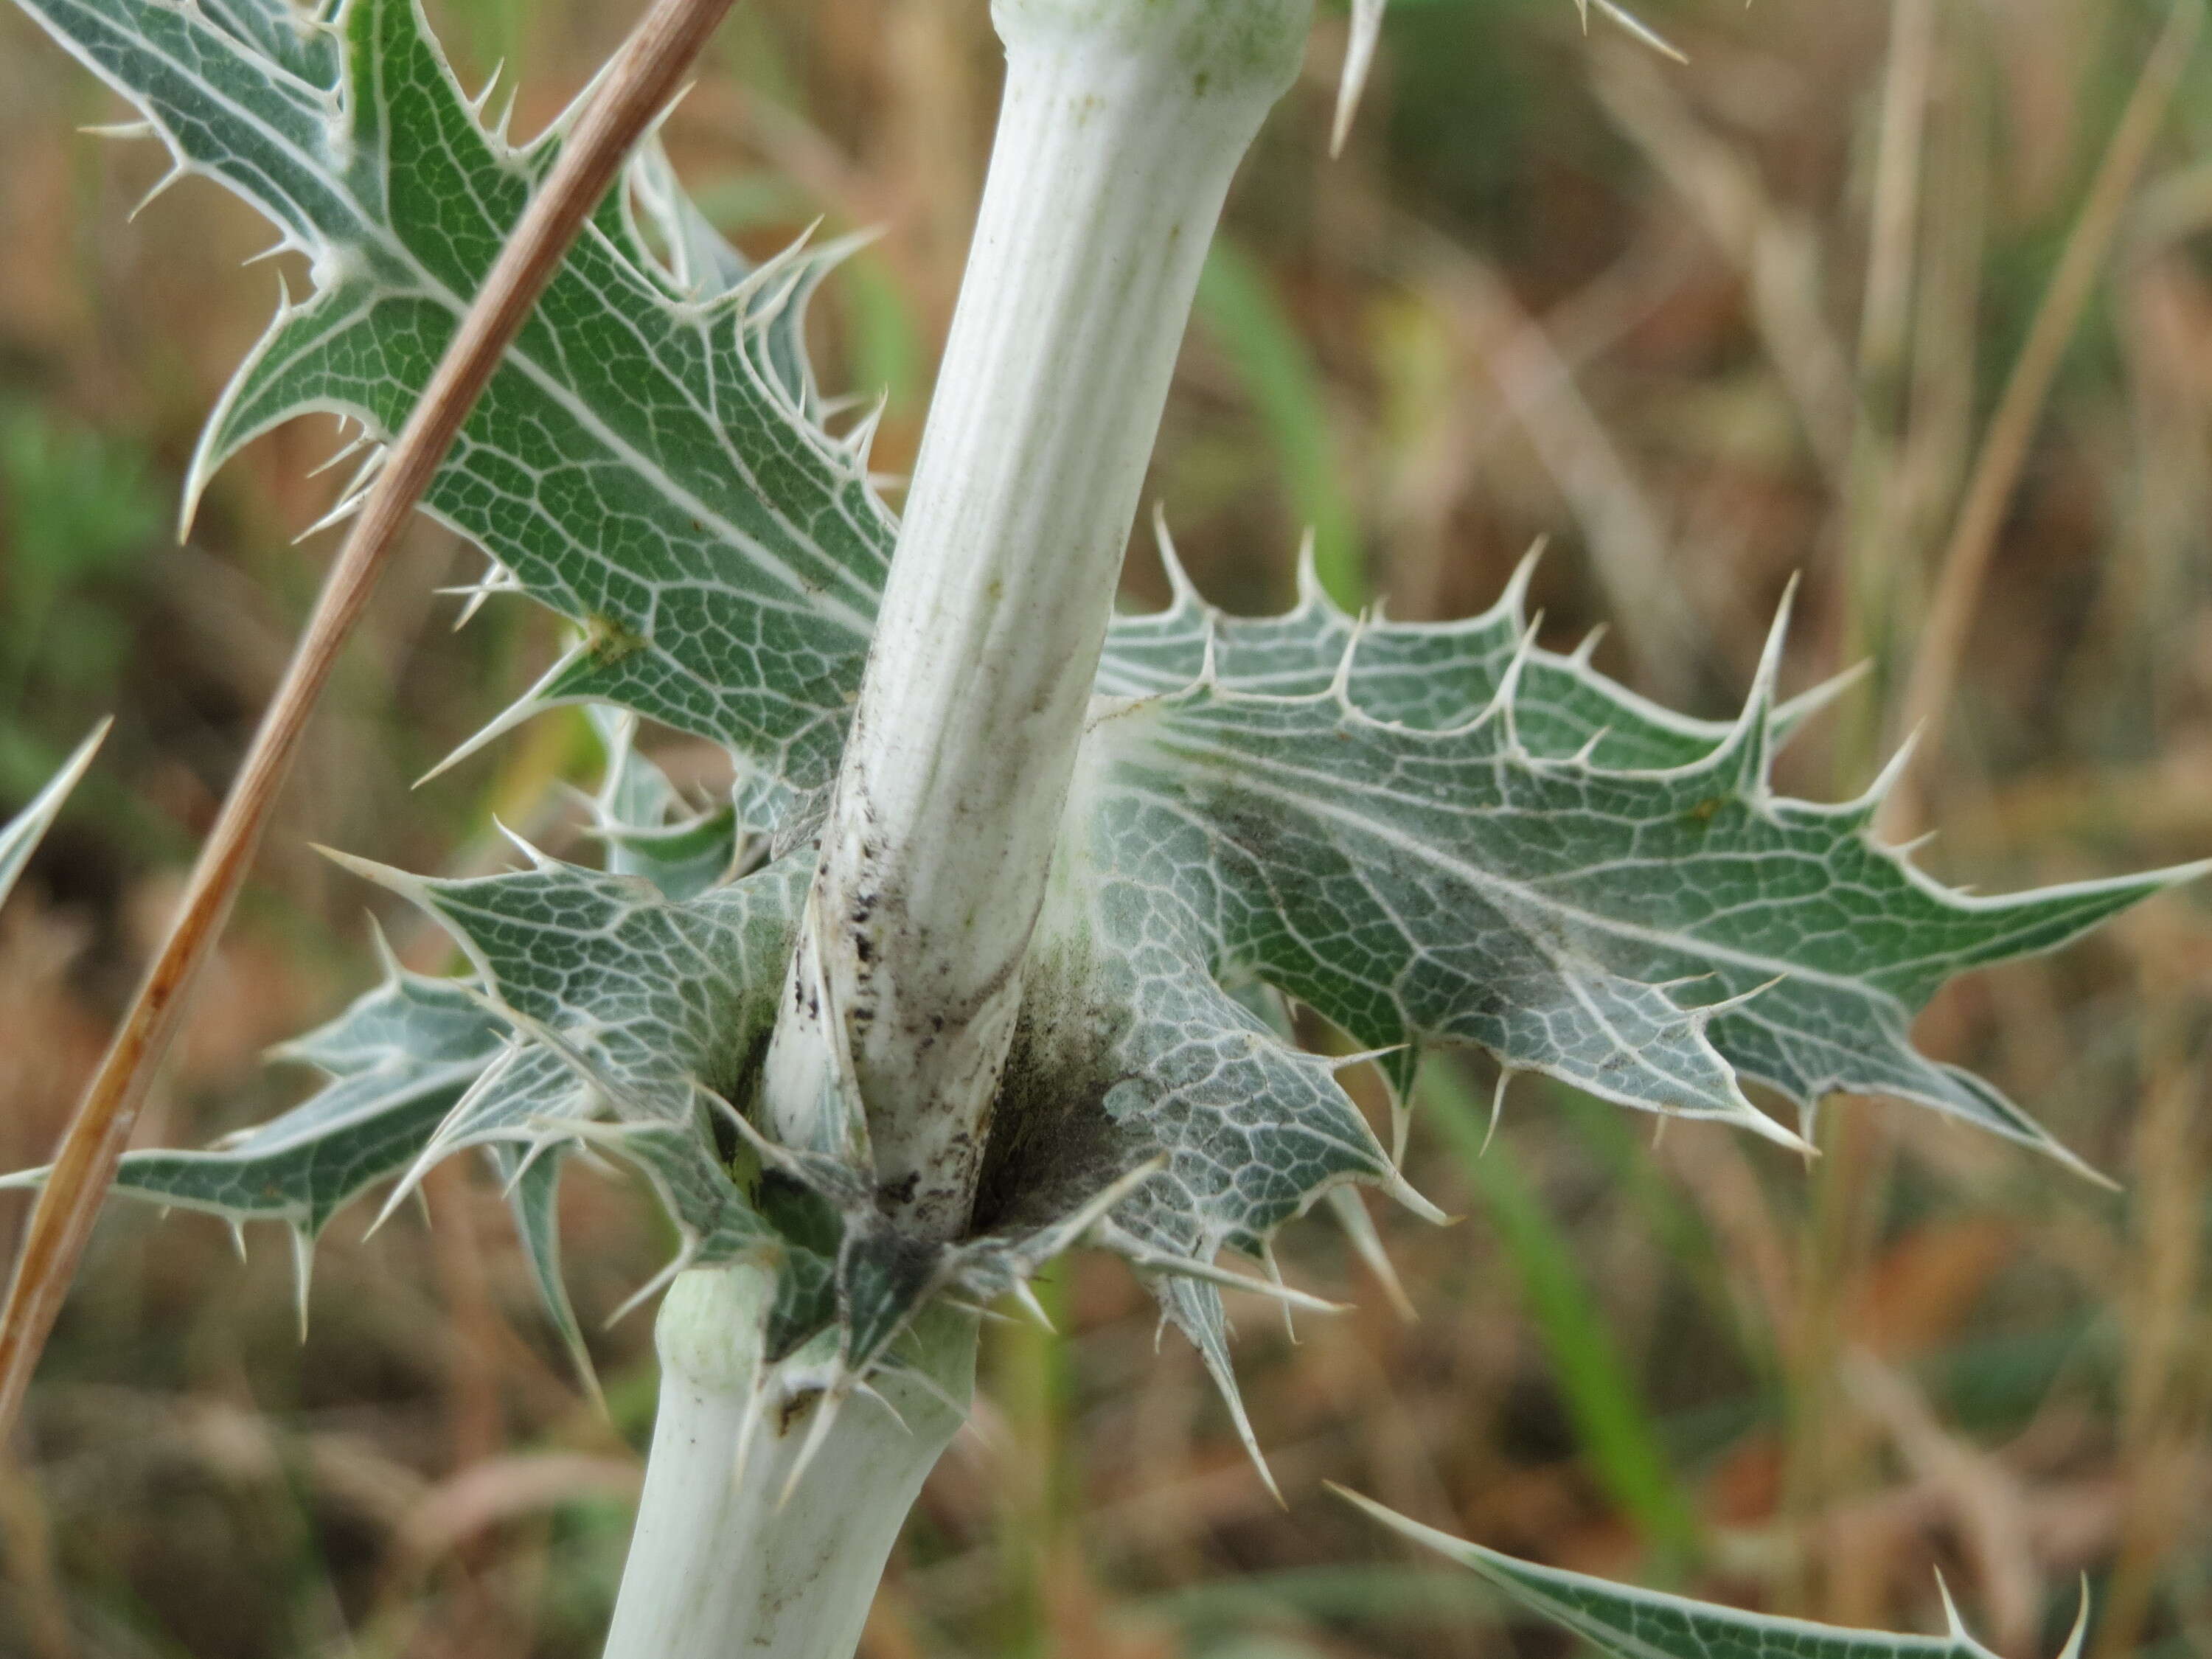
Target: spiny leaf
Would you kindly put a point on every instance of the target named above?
(642, 463)
(1431, 833)
(1645, 935)
(1429, 676)
(399, 1060)
(663, 998)
(1639, 1623)
(650, 463)
(626, 1005)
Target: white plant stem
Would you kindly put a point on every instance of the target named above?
(1122, 123)
(724, 1562)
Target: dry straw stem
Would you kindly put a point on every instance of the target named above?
(1965, 560)
(1626, 538)
(1778, 249)
(639, 85)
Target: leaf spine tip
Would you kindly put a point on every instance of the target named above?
(861, 439)
(1026, 1299)
(303, 1269)
(541, 861)
(1313, 597)
(476, 104)
(1404, 1192)
(1365, 1056)
(1587, 649)
(388, 959)
(1587, 754)
(1954, 1626)
(1905, 851)
(868, 1391)
(1274, 1272)
(533, 1151)
(1702, 1014)
(1750, 1117)
(1359, 1230)
(344, 451)
(1869, 805)
(410, 1185)
(685, 1255)
(1093, 1211)
(748, 1426)
(406, 884)
(281, 246)
(919, 1376)
(745, 292)
(1181, 589)
(1339, 684)
(2081, 1631)
(1146, 1259)
(1635, 27)
(531, 702)
(1750, 751)
(1513, 601)
(826, 1410)
(1500, 706)
(1811, 701)
(1359, 60)
(1497, 1109)
(177, 170)
(1209, 670)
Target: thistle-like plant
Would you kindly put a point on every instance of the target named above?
(985, 956)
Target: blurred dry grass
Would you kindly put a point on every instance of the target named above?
(1706, 327)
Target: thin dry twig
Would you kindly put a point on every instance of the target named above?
(1777, 247)
(1872, 500)
(1965, 561)
(638, 87)
(1628, 544)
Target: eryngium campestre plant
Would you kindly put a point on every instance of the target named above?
(980, 961)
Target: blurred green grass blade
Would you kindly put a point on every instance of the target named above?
(1674, 1223)
(888, 353)
(1607, 1410)
(1237, 306)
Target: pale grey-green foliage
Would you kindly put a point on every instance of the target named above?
(1428, 834)
(398, 1061)
(1639, 1623)
(21, 835)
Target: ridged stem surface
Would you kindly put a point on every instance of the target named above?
(1122, 123)
(724, 1561)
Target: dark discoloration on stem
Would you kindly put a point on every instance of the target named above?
(637, 88)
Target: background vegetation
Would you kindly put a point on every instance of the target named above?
(1805, 305)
